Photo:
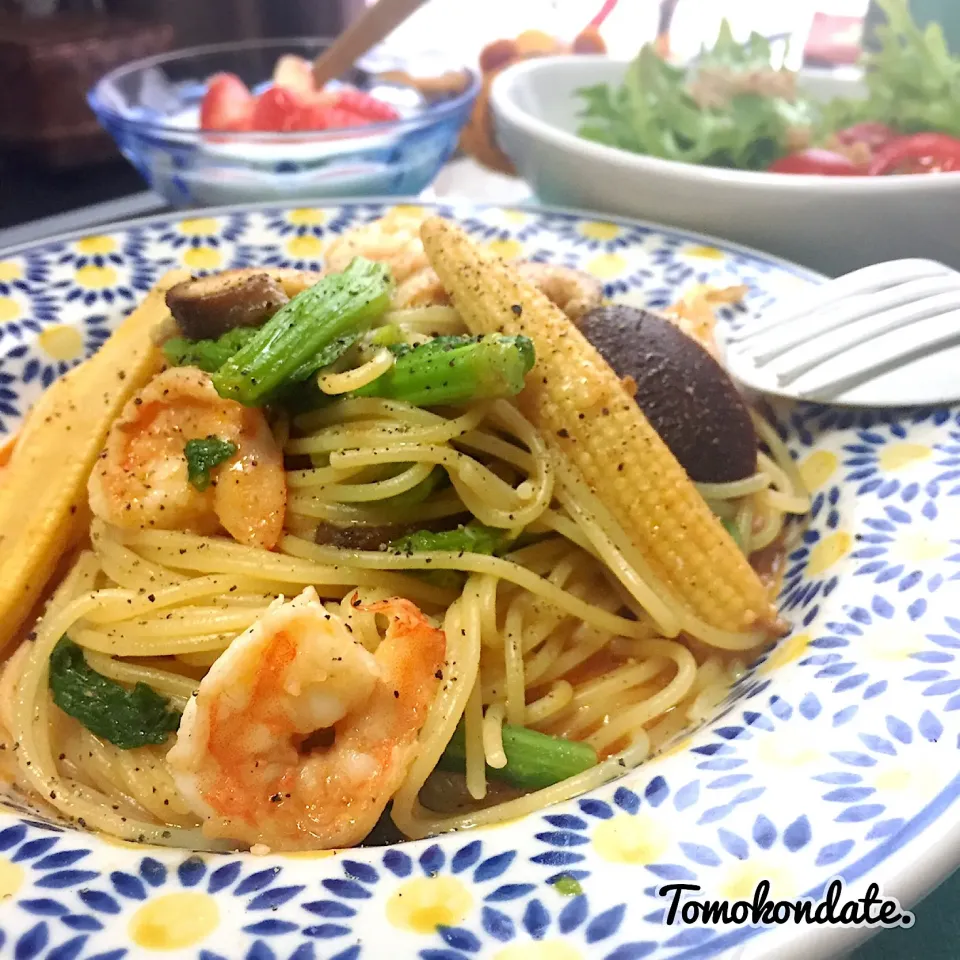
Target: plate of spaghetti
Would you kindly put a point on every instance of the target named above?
(414, 582)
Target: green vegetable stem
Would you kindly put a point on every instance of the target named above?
(286, 348)
(208, 355)
(470, 538)
(127, 718)
(452, 370)
(473, 537)
(534, 760)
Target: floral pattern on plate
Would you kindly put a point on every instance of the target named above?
(835, 750)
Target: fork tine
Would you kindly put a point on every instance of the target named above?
(868, 329)
(846, 312)
(879, 276)
(929, 336)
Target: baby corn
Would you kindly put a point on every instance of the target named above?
(576, 399)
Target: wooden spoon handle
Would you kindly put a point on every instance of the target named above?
(372, 26)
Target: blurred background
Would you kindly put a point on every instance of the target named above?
(55, 158)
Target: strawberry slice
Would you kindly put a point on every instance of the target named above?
(227, 104)
(356, 101)
(321, 114)
(294, 73)
(278, 109)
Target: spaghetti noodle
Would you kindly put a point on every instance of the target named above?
(562, 628)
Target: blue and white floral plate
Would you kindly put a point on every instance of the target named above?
(837, 755)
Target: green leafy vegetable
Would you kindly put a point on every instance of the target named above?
(534, 760)
(287, 346)
(324, 357)
(203, 455)
(209, 355)
(450, 370)
(735, 109)
(127, 718)
(473, 537)
(913, 81)
(656, 110)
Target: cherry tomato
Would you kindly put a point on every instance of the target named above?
(227, 104)
(277, 109)
(817, 161)
(918, 153)
(872, 134)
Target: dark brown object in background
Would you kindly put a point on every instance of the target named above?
(219, 21)
(47, 65)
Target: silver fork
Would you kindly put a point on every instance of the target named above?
(887, 335)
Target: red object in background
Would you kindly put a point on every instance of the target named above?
(227, 104)
(833, 41)
(288, 104)
(816, 160)
(277, 109)
(918, 153)
(362, 104)
(872, 134)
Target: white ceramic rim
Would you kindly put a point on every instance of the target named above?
(921, 860)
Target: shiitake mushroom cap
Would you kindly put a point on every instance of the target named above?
(685, 394)
(207, 307)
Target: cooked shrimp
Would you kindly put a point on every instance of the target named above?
(141, 477)
(393, 239)
(573, 291)
(250, 757)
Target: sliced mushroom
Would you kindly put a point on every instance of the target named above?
(687, 396)
(207, 307)
(362, 537)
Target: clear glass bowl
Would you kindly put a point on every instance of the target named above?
(151, 106)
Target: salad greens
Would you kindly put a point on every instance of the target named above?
(913, 81)
(737, 109)
(656, 111)
(127, 718)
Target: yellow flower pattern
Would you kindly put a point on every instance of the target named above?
(307, 217)
(819, 696)
(606, 266)
(174, 921)
(11, 878)
(61, 342)
(637, 840)
(92, 277)
(10, 270)
(424, 903)
(829, 551)
(202, 258)
(817, 468)
(93, 245)
(9, 309)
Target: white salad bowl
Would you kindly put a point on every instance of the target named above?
(832, 224)
(836, 753)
